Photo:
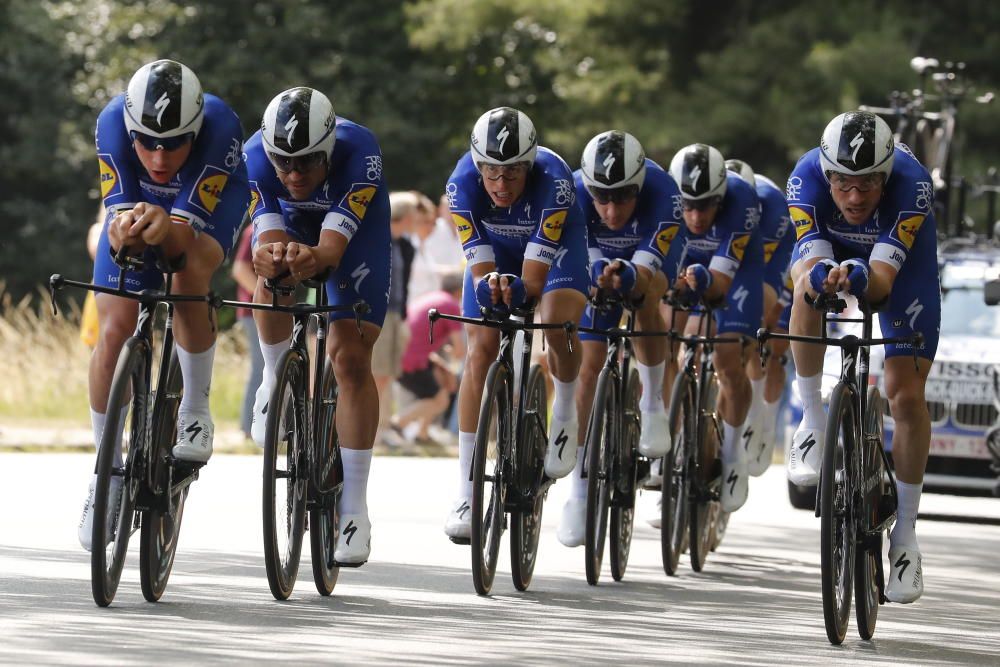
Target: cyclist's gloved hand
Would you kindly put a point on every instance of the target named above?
(818, 274)
(484, 293)
(699, 279)
(623, 268)
(597, 270)
(857, 274)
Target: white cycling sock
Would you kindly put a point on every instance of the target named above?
(904, 532)
(97, 422)
(564, 405)
(578, 486)
(771, 414)
(272, 353)
(651, 378)
(466, 450)
(732, 448)
(812, 399)
(354, 495)
(196, 369)
(756, 399)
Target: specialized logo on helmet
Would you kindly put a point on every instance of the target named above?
(502, 125)
(608, 162)
(552, 224)
(502, 136)
(358, 198)
(292, 111)
(110, 183)
(161, 105)
(610, 154)
(463, 224)
(290, 127)
(666, 235)
(208, 191)
(906, 228)
(857, 141)
(162, 86)
(738, 247)
(802, 220)
(695, 176)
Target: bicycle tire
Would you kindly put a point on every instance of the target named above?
(526, 527)
(109, 544)
(626, 479)
(699, 523)
(488, 505)
(601, 438)
(867, 592)
(287, 431)
(674, 489)
(836, 523)
(323, 520)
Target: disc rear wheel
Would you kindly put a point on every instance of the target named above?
(493, 435)
(526, 525)
(601, 437)
(625, 480)
(323, 519)
(674, 504)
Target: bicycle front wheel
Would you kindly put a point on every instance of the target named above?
(836, 513)
(625, 480)
(285, 475)
(160, 529)
(707, 480)
(525, 524)
(867, 587)
(118, 487)
(493, 437)
(600, 440)
(674, 504)
(323, 520)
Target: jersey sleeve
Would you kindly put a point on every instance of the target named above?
(553, 197)
(465, 196)
(119, 182)
(907, 204)
(585, 201)
(357, 180)
(808, 195)
(265, 209)
(217, 155)
(740, 218)
(662, 216)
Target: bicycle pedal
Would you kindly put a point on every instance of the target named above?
(465, 541)
(339, 564)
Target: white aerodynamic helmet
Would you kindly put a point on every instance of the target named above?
(164, 100)
(857, 143)
(700, 172)
(613, 160)
(503, 136)
(743, 170)
(299, 122)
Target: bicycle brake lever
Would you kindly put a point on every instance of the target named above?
(918, 340)
(569, 327)
(55, 282)
(432, 317)
(360, 308)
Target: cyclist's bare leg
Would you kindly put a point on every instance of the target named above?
(272, 327)
(594, 353)
(557, 306)
(674, 349)
(351, 354)
(483, 345)
(734, 386)
(652, 350)
(805, 321)
(116, 317)
(904, 386)
(194, 323)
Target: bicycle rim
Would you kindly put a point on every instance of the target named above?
(701, 528)
(526, 527)
(625, 476)
(285, 480)
(323, 521)
(867, 594)
(600, 440)
(493, 436)
(112, 529)
(836, 516)
(674, 490)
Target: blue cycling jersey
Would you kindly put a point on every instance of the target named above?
(733, 235)
(776, 232)
(532, 228)
(653, 238)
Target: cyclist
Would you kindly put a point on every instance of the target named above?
(524, 237)
(319, 202)
(633, 213)
(862, 209)
(724, 264)
(778, 241)
(172, 175)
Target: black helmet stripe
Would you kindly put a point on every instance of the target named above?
(609, 159)
(503, 137)
(161, 108)
(857, 141)
(291, 122)
(696, 179)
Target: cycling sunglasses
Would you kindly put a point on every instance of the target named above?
(701, 204)
(508, 172)
(299, 163)
(845, 183)
(614, 195)
(151, 143)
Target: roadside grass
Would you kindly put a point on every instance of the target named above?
(45, 366)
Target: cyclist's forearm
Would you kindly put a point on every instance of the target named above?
(330, 250)
(719, 287)
(880, 281)
(534, 274)
(642, 278)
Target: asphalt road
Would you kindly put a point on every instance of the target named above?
(756, 603)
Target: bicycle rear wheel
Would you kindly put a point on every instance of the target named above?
(117, 488)
(323, 519)
(160, 529)
(674, 504)
(836, 514)
(706, 480)
(285, 475)
(493, 437)
(867, 587)
(625, 480)
(601, 437)
(526, 526)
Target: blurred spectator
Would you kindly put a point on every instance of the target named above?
(88, 318)
(388, 351)
(436, 245)
(429, 376)
(246, 283)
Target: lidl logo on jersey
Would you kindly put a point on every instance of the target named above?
(666, 235)
(552, 223)
(738, 246)
(358, 198)
(907, 227)
(110, 183)
(207, 192)
(255, 199)
(463, 224)
(802, 219)
(769, 249)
